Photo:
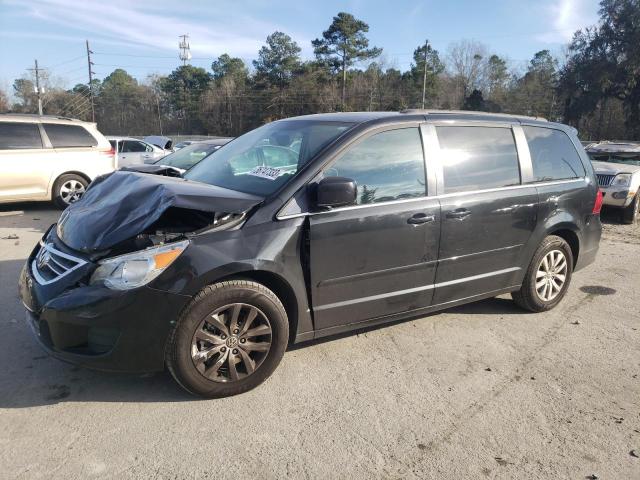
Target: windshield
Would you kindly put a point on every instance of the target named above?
(626, 159)
(187, 157)
(263, 160)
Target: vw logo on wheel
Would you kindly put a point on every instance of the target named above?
(232, 342)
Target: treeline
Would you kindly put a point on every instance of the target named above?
(594, 87)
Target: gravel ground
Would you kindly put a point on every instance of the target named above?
(480, 391)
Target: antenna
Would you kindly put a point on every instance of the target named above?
(185, 49)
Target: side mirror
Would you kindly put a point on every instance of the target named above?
(336, 192)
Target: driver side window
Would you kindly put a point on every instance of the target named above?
(386, 166)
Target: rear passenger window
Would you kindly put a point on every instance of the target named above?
(69, 136)
(385, 166)
(477, 158)
(133, 147)
(553, 155)
(19, 136)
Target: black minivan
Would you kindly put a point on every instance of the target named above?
(307, 227)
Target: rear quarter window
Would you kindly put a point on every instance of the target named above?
(62, 136)
(19, 136)
(552, 154)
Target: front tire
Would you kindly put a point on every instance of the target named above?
(548, 276)
(68, 189)
(228, 340)
(631, 212)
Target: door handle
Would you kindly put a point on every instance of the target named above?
(458, 213)
(420, 218)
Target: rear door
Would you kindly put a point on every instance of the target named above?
(134, 152)
(488, 216)
(25, 165)
(377, 257)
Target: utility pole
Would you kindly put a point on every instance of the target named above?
(89, 64)
(185, 56)
(39, 91)
(159, 117)
(424, 78)
(185, 49)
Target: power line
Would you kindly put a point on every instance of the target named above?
(66, 62)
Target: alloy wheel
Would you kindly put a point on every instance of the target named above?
(71, 191)
(231, 343)
(551, 275)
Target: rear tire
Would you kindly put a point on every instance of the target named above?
(631, 212)
(68, 189)
(228, 340)
(548, 276)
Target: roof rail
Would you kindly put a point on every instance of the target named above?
(468, 112)
(41, 117)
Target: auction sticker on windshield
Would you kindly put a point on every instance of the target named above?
(269, 173)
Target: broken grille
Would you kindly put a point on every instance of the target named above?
(51, 264)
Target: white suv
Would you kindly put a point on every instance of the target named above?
(617, 166)
(50, 158)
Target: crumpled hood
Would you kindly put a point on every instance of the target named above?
(120, 205)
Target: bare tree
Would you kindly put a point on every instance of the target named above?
(467, 65)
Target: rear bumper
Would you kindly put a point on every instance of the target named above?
(589, 243)
(103, 329)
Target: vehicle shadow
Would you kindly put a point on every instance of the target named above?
(30, 377)
(28, 206)
(610, 216)
(33, 378)
(490, 306)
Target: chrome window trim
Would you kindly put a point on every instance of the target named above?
(422, 199)
(524, 155)
(431, 153)
(432, 286)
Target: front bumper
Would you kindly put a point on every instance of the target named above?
(99, 328)
(617, 196)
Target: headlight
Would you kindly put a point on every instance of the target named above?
(622, 180)
(138, 268)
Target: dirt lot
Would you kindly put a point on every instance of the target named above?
(481, 391)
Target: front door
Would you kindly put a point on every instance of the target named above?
(487, 215)
(377, 257)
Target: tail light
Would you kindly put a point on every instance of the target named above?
(110, 153)
(597, 205)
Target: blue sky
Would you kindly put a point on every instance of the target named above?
(142, 35)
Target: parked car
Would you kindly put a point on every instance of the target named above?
(50, 158)
(180, 145)
(617, 167)
(375, 217)
(165, 143)
(186, 157)
(131, 151)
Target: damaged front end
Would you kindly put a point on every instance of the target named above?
(86, 286)
(128, 211)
